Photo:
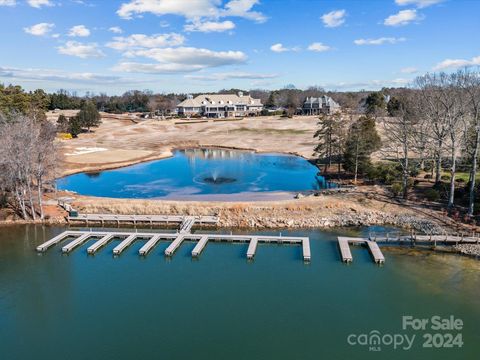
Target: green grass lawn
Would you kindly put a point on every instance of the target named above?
(465, 176)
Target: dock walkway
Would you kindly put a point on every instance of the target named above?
(144, 219)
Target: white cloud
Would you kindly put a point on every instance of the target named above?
(278, 48)
(457, 63)
(243, 8)
(193, 56)
(319, 47)
(79, 30)
(8, 3)
(54, 78)
(231, 75)
(41, 29)
(379, 41)
(191, 9)
(210, 26)
(401, 81)
(180, 59)
(53, 75)
(409, 70)
(403, 17)
(136, 41)
(39, 3)
(418, 3)
(116, 30)
(334, 18)
(195, 9)
(75, 48)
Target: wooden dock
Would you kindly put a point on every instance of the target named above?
(185, 221)
(176, 239)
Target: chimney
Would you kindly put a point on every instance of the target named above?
(240, 93)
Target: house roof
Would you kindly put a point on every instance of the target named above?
(324, 100)
(220, 99)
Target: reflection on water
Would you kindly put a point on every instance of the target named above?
(221, 306)
(201, 172)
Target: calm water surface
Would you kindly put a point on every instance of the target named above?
(55, 306)
(200, 172)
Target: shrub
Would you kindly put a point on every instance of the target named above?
(432, 195)
(427, 176)
(445, 177)
(397, 189)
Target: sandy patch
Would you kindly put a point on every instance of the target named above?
(107, 156)
(85, 150)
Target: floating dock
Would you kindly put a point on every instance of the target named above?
(197, 250)
(102, 242)
(373, 242)
(376, 253)
(124, 244)
(345, 252)
(346, 255)
(77, 242)
(174, 245)
(177, 239)
(145, 249)
(252, 247)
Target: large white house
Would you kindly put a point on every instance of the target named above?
(321, 105)
(219, 105)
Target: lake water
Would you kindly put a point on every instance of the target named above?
(198, 172)
(221, 306)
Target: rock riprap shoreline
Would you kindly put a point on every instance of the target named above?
(468, 249)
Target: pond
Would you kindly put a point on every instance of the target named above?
(221, 306)
(199, 172)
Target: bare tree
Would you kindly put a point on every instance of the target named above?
(27, 159)
(400, 134)
(452, 100)
(470, 83)
(431, 111)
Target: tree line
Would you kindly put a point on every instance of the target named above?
(434, 125)
(13, 97)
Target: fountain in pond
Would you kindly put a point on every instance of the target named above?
(215, 179)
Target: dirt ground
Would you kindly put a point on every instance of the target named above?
(118, 143)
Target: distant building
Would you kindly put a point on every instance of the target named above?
(322, 105)
(219, 105)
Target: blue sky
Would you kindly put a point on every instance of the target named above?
(206, 45)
